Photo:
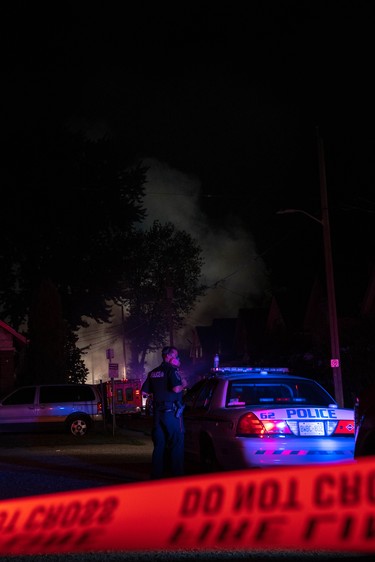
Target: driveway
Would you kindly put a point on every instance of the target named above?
(33, 464)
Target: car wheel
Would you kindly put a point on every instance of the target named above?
(208, 458)
(79, 425)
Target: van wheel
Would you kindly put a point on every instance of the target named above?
(78, 426)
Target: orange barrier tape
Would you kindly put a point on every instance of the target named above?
(331, 507)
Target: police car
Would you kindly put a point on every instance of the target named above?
(248, 417)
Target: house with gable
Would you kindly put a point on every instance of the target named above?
(12, 347)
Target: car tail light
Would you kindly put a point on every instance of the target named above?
(344, 427)
(250, 424)
(99, 408)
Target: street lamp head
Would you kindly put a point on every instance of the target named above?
(285, 211)
(288, 211)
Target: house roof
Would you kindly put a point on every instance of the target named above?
(13, 332)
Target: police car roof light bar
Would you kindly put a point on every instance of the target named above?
(261, 370)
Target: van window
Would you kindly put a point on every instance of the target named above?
(21, 396)
(129, 394)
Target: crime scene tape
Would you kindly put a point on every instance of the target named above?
(330, 507)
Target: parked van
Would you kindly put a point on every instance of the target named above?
(76, 408)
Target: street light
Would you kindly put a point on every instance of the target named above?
(324, 221)
(286, 211)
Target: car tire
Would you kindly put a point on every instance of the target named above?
(208, 460)
(79, 425)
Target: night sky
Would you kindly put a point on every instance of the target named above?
(223, 100)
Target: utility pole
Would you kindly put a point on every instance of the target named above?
(335, 346)
(123, 340)
(170, 317)
(331, 296)
(110, 355)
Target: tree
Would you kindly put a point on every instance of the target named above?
(53, 355)
(47, 336)
(160, 285)
(69, 206)
(76, 370)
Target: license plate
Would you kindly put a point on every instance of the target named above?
(311, 428)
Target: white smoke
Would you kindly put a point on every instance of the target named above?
(232, 269)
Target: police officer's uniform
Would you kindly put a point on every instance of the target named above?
(168, 429)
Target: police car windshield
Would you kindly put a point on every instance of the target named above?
(261, 392)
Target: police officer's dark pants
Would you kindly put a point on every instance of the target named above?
(167, 432)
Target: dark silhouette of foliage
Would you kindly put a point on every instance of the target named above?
(69, 207)
(160, 285)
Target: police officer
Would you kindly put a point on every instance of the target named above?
(165, 384)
